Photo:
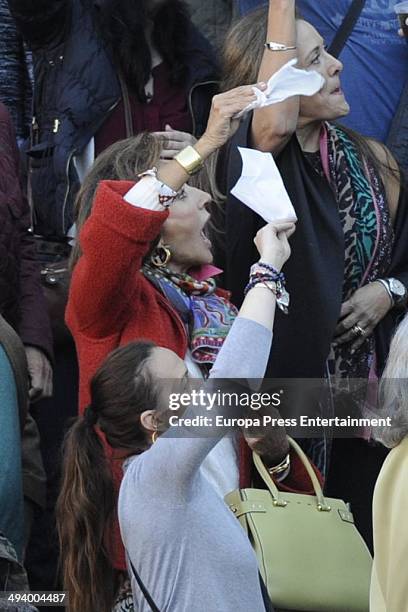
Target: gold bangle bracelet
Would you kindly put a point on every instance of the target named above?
(189, 159)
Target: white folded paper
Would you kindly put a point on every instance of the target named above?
(287, 82)
(261, 187)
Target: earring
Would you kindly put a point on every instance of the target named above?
(155, 435)
(161, 256)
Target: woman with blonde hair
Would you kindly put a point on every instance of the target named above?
(349, 268)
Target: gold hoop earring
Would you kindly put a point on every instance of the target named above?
(161, 256)
(155, 435)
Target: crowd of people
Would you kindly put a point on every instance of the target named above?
(126, 262)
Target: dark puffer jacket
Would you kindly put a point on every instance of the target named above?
(15, 83)
(22, 303)
(76, 87)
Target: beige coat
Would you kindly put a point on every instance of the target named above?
(389, 581)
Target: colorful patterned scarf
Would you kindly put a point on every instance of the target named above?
(206, 316)
(368, 233)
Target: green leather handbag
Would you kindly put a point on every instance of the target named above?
(310, 554)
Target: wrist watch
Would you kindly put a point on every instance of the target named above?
(395, 289)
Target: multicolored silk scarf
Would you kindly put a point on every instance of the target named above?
(368, 233)
(207, 316)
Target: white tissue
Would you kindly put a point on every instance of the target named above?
(261, 188)
(287, 82)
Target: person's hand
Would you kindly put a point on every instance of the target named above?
(272, 243)
(174, 141)
(272, 446)
(221, 124)
(40, 372)
(366, 307)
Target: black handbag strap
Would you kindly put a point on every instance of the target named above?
(143, 588)
(346, 27)
(265, 596)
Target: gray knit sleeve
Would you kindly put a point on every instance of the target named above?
(168, 469)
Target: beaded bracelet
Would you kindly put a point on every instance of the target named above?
(276, 286)
(261, 268)
(265, 282)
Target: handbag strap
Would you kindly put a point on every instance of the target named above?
(143, 588)
(273, 489)
(346, 27)
(127, 107)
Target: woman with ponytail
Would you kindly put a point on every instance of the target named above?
(170, 515)
(87, 500)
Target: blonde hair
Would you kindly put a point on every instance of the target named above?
(243, 50)
(393, 392)
(241, 60)
(122, 161)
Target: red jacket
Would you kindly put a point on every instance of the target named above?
(111, 303)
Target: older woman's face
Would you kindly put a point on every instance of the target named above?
(329, 103)
(183, 232)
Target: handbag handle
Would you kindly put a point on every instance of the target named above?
(273, 489)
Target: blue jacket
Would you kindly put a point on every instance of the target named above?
(76, 87)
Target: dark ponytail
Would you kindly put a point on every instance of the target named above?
(84, 511)
(120, 390)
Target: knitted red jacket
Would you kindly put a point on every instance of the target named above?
(111, 303)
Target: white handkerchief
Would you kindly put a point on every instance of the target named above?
(287, 82)
(261, 187)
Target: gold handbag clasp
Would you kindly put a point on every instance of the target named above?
(280, 503)
(323, 508)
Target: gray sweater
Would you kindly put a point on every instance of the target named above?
(185, 543)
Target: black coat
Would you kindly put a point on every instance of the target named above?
(315, 270)
(22, 302)
(76, 85)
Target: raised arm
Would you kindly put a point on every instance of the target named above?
(41, 22)
(272, 126)
(124, 222)
(172, 462)
(114, 241)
